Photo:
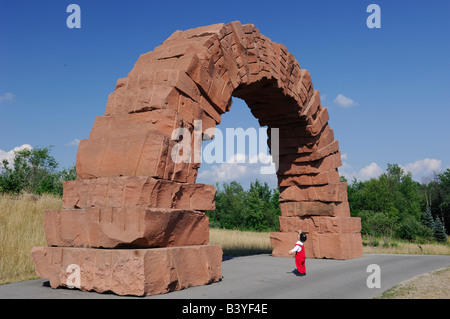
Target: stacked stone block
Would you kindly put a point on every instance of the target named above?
(134, 219)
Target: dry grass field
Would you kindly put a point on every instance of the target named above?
(406, 248)
(21, 228)
(236, 242)
(434, 285)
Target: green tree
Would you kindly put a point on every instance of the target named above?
(355, 196)
(427, 218)
(439, 231)
(254, 209)
(376, 195)
(33, 171)
(406, 196)
(230, 206)
(395, 195)
(443, 197)
(262, 214)
(66, 174)
(383, 224)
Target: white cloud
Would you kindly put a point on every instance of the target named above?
(237, 158)
(9, 155)
(423, 167)
(75, 142)
(262, 158)
(225, 172)
(370, 171)
(7, 97)
(240, 167)
(419, 169)
(344, 101)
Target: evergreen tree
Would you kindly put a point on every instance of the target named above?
(439, 231)
(427, 218)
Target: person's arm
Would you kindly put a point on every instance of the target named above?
(295, 249)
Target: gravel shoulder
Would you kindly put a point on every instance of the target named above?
(433, 285)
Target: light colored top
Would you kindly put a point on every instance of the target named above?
(298, 247)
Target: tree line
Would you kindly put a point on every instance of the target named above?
(392, 205)
(255, 209)
(34, 171)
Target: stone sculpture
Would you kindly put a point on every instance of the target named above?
(134, 223)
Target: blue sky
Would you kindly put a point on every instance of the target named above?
(387, 89)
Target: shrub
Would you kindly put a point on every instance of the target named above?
(382, 224)
(409, 228)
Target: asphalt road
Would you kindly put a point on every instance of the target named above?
(267, 277)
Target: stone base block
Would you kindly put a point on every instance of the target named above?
(319, 245)
(135, 272)
(125, 227)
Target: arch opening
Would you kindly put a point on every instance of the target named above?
(244, 175)
(239, 141)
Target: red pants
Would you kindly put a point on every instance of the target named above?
(300, 261)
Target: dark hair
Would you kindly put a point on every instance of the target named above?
(303, 237)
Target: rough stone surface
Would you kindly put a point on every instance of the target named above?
(137, 191)
(136, 155)
(315, 208)
(320, 224)
(319, 245)
(323, 193)
(139, 168)
(136, 272)
(158, 121)
(125, 227)
(328, 237)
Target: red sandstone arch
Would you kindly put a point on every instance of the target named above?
(130, 194)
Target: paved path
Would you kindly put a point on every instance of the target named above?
(264, 276)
